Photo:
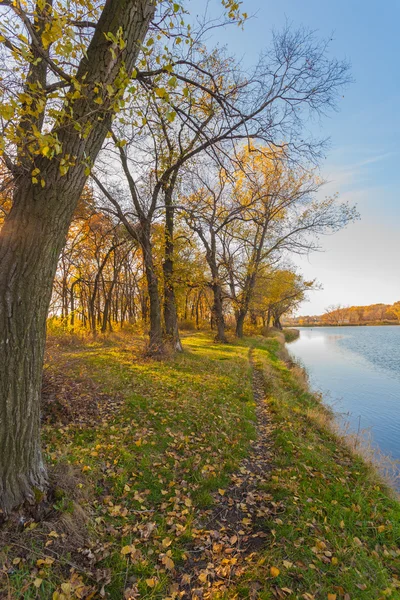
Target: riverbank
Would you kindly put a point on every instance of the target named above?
(211, 475)
(291, 334)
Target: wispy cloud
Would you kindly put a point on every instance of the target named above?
(374, 159)
(354, 174)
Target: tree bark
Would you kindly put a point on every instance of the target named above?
(170, 312)
(30, 243)
(198, 300)
(72, 301)
(245, 302)
(218, 313)
(156, 344)
(241, 315)
(31, 240)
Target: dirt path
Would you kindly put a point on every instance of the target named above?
(231, 534)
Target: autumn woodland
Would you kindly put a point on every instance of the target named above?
(155, 439)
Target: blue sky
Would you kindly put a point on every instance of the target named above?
(359, 265)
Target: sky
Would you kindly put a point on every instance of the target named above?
(359, 265)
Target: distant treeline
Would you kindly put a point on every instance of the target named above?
(353, 315)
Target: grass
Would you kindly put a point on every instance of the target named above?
(134, 486)
(185, 425)
(291, 335)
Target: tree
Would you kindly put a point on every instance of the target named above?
(335, 314)
(395, 309)
(180, 113)
(283, 215)
(67, 69)
(55, 120)
(279, 293)
(201, 103)
(208, 210)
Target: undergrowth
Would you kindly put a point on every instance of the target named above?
(135, 482)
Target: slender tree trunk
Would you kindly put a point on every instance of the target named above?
(108, 303)
(212, 320)
(244, 308)
(106, 313)
(65, 302)
(145, 307)
(186, 305)
(95, 294)
(72, 302)
(217, 311)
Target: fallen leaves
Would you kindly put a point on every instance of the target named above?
(170, 506)
(166, 542)
(167, 560)
(132, 552)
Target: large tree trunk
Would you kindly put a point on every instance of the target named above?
(31, 240)
(156, 344)
(240, 317)
(170, 312)
(218, 314)
(217, 310)
(244, 308)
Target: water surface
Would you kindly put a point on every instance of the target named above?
(358, 371)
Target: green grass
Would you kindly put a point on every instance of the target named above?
(144, 474)
(291, 335)
(185, 425)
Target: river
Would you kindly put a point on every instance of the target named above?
(357, 369)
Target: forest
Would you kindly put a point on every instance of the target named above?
(154, 193)
(378, 314)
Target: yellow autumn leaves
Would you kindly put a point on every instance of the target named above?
(131, 552)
